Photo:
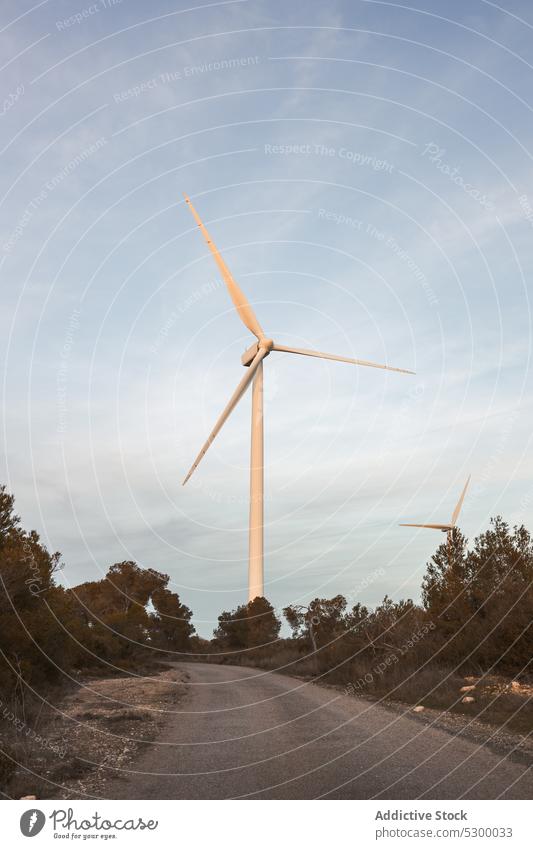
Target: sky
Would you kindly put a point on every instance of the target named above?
(366, 170)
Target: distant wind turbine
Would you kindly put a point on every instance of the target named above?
(253, 360)
(446, 529)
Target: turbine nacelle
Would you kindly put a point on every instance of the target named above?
(445, 528)
(250, 354)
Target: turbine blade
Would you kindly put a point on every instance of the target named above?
(238, 297)
(433, 527)
(460, 503)
(306, 353)
(234, 400)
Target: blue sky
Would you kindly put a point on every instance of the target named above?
(366, 170)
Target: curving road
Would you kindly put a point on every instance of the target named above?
(247, 733)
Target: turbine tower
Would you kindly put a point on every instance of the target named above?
(447, 528)
(252, 359)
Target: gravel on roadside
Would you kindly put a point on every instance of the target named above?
(97, 729)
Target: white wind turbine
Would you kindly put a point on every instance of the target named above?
(447, 528)
(253, 360)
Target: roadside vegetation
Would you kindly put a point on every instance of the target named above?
(466, 648)
(51, 637)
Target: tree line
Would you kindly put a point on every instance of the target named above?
(475, 615)
(48, 631)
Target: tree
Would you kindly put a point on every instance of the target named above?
(128, 585)
(482, 600)
(447, 572)
(171, 622)
(8, 520)
(249, 626)
(116, 607)
(319, 623)
(32, 645)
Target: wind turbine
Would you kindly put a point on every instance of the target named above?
(253, 360)
(449, 528)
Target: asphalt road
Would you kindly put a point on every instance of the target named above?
(243, 733)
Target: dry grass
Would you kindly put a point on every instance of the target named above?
(494, 699)
(128, 715)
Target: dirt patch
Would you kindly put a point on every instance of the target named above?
(93, 731)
